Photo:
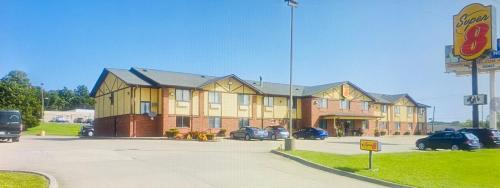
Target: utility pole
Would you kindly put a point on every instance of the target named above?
(289, 145)
(433, 112)
(43, 105)
(475, 111)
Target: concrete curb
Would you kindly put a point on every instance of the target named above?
(217, 139)
(339, 172)
(51, 179)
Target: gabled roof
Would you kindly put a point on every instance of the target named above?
(276, 88)
(230, 76)
(311, 90)
(169, 78)
(391, 99)
(123, 74)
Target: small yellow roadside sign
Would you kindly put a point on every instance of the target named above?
(370, 145)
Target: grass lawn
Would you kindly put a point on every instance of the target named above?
(480, 168)
(22, 180)
(56, 129)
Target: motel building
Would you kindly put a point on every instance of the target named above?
(143, 102)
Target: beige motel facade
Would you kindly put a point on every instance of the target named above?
(141, 102)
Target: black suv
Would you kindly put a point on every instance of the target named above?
(10, 125)
(487, 137)
(87, 129)
(449, 140)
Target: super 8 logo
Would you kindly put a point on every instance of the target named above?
(473, 31)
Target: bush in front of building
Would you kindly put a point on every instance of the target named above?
(222, 132)
(397, 133)
(418, 133)
(210, 136)
(171, 133)
(383, 133)
(377, 133)
(407, 133)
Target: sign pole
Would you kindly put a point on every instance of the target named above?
(371, 160)
(493, 113)
(475, 111)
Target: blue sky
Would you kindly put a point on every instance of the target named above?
(382, 46)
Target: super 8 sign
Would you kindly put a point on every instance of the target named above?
(370, 145)
(472, 31)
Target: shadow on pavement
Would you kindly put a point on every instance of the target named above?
(357, 143)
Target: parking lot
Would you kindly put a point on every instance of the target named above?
(79, 162)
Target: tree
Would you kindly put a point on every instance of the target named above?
(17, 93)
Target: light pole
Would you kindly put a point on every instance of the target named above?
(289, 142)
(41, 89)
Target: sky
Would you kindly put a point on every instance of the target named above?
(384, 46)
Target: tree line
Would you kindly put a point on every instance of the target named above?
(17, 93)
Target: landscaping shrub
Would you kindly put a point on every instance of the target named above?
(193, 134)
(179, 136)
(377, 133)
(222, 132)
(397, 133)
(210, 136)
(202, 136)
(407, 133)
(171, 133)
(418, 133)
(382, 133)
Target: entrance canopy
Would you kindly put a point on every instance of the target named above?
(350, 116)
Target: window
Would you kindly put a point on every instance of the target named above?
(243, 100)
(344, 104)
(364, 123)
(421, 111)
(294, 104)
(269, 101)
(145, 107)
(384, 108)
(398, 126)
(214, 97)
(382, 125)
(365, 106)
(410, 126)
(244, 122)
(214, 122)
(182, 95)
(396, 110)
(183, 121)
(410, 111)
(323, 124)
(323, 103)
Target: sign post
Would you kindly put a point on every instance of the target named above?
(472, 38)
(370, 146)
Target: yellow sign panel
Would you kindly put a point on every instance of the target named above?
(370, 145)
(472, 31)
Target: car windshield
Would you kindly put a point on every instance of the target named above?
(281, 129)
(318, 129)
(9, 117)
(254, 128)
(470, 136)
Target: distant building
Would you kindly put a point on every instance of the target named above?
(70, 116)
(147, 102)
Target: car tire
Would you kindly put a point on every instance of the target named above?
(421, 146)
(273, 137)
(454, 147)
(15, 139)
(247, 137)
(322, 138)
(90, 133)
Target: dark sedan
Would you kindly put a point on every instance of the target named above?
(449, 140)
(249, 133)
(311, 133)
(277, 132)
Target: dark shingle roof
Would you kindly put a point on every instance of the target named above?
(123, 74)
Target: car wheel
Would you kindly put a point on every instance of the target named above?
(454, 147)
(90, 133)
(421, 146)
(273, 137)
(15, 139)
(247, 137)
(322, 138)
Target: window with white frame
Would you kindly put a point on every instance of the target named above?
(382, 125)
(323, 103)
(364, 124)
(384, 108)
(145, 107)
(268, 101)
(214, 122)
(410, 126)
(323, 124)
(410, 110)
(421, 111)
(398, 126)
(365, 106)
(243, 100)
(182, 95)
(183, 122)
(344, 104)
(396, 110)
(244, 122)
(214, 97)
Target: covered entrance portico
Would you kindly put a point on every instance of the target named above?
(349, 124)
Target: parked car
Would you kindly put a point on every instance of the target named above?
(277, 132)
(249, 133)
(487, 137)
(311, 133)
(87, 130)
(449, 140)
(10, 125)
(60, 120)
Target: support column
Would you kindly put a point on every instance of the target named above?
(475, 110)
(493, 114)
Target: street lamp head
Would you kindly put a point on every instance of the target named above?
(292, 3)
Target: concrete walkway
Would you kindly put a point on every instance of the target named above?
(162, 163)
